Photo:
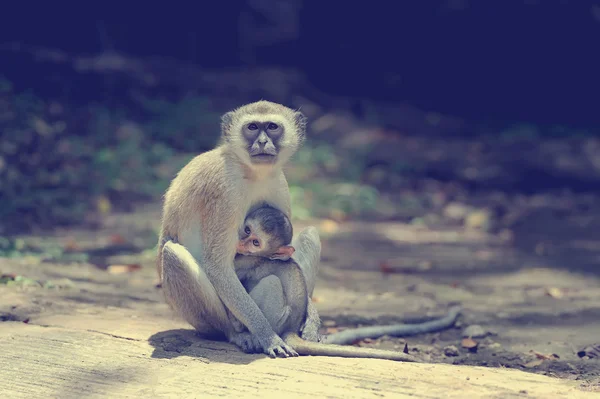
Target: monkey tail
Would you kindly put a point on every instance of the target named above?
(395, 330)
(318, 349)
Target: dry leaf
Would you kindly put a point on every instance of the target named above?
(71, 245)
(469, 343)
(544, 357)
(385, 268)
(120, 269)
(332, 330)
(316, 299)
(533, 363)
(117, 239)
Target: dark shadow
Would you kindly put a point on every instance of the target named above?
(187, 342)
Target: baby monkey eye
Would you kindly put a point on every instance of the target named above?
(255, 243)
(272, 126)
(253, 126)
(247, 230)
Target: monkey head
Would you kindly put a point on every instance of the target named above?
(263, 133)
(266, 232)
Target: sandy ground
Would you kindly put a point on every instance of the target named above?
(102, 334)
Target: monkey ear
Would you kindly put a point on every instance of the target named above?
(284, 252)
(301, 121)
(226, 121)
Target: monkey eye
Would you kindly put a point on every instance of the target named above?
(272, 126)
(256, 243)
(253, 126)
(247, 230)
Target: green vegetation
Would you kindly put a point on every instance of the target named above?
(61, 164)
(58, 164)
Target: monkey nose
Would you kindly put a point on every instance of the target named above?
(240, 247)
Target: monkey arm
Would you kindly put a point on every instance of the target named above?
(310, 330)
(221, 273)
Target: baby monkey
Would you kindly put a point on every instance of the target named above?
(264, 252)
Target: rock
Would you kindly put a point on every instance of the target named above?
(591, 351)
(474, 331)
(451, 350)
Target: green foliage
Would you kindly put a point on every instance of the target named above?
(323, 183)
(55, 165)
(189, 124)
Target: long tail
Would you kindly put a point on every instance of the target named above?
(318, 349)
(396, 330)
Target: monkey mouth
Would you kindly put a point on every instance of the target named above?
(263, 158)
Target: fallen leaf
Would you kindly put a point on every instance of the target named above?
(26, 321)
(554, 292)
(117, 239)
(316, 299)
(469, 343)
(120, 269)
(533, 363)
(385, 268)
(543, 356)
(332, 330)
(71, 245)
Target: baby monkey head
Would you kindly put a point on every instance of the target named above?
(266, 232)
(263, 133)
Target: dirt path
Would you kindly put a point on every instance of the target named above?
(110, 335)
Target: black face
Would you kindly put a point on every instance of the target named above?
(263, 141)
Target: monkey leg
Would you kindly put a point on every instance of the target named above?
(310, 330)
(268, 295)
(188, 290)
(308, 255)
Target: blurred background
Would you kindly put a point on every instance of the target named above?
(451, 140)
(442, 113)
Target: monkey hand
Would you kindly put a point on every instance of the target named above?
(275, 346)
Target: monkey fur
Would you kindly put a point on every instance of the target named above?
(271, 232)
(204, 207)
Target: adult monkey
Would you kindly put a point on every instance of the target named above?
(204, 207)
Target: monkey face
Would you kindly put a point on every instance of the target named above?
(262, 139)
(251, 241)
(263, 133)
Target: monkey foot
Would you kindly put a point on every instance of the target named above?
(246, 342)
(277, 347)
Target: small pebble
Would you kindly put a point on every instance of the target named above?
(451, 350)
